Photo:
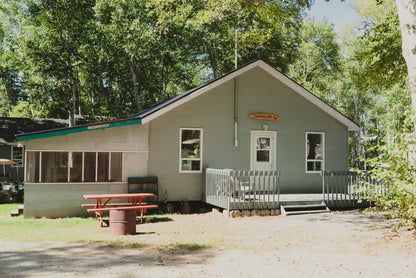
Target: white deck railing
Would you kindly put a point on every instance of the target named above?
(241, 189)
(349, 188)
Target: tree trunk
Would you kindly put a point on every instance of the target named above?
(407, 17)
(212, 53)
(136, 91)
(357, 152)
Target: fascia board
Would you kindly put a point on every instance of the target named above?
(67, 131)
(199, 92)
(352, 126)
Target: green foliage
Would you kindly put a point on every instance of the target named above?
(396, 167)
(318, 63)
(108, 59)
(381, 52)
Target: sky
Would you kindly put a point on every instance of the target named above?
(338, 13)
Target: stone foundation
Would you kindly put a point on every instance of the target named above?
(254, 212)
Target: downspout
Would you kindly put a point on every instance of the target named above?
(235, 114)
(235, 93)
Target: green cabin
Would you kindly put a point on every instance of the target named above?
(252, 119)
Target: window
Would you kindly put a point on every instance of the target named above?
(263, 149)
(17, 156)
(315, 152)
(115, 172)
(32, 166)
(190, 150)
(103, 164)
(89, 166)
(54, 167)
(74, 167)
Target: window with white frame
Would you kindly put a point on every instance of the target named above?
(17, 156)
(190, 157)
(50, 166)
(315, 152)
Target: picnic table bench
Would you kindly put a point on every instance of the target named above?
(134, 202)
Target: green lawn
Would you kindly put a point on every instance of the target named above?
(88, 230)
(72, 229)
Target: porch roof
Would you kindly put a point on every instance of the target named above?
(76, 129)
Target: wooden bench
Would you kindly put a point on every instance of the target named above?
(142, 208)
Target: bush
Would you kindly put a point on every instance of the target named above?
(395, 167)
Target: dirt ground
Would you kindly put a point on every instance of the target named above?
(337, 244)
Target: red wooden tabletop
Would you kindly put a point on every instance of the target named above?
(118, 196)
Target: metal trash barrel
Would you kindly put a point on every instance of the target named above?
(123, 222)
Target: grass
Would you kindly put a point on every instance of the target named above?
(63, 229)
(85, 230)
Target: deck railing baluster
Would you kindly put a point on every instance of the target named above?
(340, 189)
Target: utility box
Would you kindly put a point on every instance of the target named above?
(145, 184)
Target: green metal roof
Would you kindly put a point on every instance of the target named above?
(77, 129)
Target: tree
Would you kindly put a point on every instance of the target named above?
(407, 15)
(9, 90)
(61, 29)
(318, 63)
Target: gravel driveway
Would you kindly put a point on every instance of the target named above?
(337, 244)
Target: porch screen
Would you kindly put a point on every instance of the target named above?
(74, 167)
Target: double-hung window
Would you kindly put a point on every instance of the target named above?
(190, 156)
(315, 152)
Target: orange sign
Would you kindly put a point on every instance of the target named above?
(264, 116)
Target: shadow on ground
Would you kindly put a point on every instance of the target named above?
(358, 218)
(85, 259)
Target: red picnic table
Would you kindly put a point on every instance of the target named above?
(103, 203)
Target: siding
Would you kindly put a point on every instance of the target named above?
(65, 199)
(62, 199)
(213, 111)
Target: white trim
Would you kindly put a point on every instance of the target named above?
(313, 160)
(109, 166)
(76, 182)
(200, 159)
(40, 166)
(276, 74)
(310, 97)
(86, 151)
(83, 166)
(96, 166)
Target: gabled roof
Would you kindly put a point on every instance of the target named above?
(163, 107)
(156, 111)
(11, 126)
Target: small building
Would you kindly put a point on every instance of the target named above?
(254, 118)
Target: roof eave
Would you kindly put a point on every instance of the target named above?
(77, 129)
(194, 93)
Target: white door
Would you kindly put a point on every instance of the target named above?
(263, 150)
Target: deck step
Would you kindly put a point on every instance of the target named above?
(299, 212)
(303, 208)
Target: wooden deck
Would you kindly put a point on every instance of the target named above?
(247, 190)
(273, 201)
